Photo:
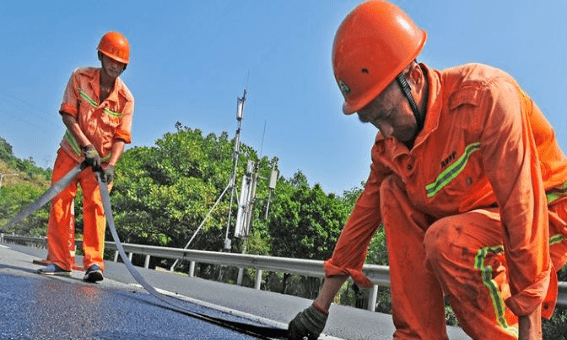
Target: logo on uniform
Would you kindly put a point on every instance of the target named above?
(344, 88)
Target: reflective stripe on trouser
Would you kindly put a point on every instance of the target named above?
(465, 253)
(60, 233)
(460, 255)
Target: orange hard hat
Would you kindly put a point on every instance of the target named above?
(115, 46)
(373, 44)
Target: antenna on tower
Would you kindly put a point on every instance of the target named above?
(262, 144)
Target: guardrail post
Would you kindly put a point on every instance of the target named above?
(116, 253)
(372, 296)
(191, 268)
(147, 262)
(562, 296)
(2, 237)
(240, 275)
(258, 281)
(130, 256)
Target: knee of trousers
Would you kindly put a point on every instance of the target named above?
(441, 241)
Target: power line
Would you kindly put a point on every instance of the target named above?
(21, 119)
(10, 102)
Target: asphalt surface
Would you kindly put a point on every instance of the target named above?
(47, 307)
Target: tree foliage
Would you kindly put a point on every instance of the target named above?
(15, 198)
(305, 222)
(163, 193)
(27, 167)
(21, 184)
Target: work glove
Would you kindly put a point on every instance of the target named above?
(92, 157)
(107, 175)
(308, 323)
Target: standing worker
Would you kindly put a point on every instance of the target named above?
(97, 110)
(467, 179)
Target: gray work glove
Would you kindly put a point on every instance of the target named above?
(308, 323)
(107, 175)
(92, 157)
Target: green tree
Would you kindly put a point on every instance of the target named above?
(163, 193)
(26, 166)
(5, 150)
(26, 184)
(14, 199)
(305, 223)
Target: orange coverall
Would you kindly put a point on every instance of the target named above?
(476, 211)
(103, 124)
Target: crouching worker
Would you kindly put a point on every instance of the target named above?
(467, 179)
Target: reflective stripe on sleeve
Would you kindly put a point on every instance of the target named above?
(72, 142)
(77, 149)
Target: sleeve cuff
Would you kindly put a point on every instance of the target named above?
(357, 276)
(68, 109)
(123, 135)
(526, 301)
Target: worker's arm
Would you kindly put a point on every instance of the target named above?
(73, 126)
(348, 256)
(530, 326)
(352, 246)
(330, 289)
(117, 151)
(121, 137)
(512, 164)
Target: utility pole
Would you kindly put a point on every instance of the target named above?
(232, 182)
(246, 206)
(239, 113)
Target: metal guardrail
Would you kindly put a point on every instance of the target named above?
(379, 275)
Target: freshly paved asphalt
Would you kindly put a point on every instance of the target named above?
(40, 307)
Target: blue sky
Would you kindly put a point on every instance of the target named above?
(191, 60)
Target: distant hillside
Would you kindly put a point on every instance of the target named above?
(15, 171)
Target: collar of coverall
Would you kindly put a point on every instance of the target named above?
(93, 73)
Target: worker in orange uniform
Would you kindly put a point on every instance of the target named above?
(467, 179)
(97, 110)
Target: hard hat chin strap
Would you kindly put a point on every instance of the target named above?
(406, 89)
